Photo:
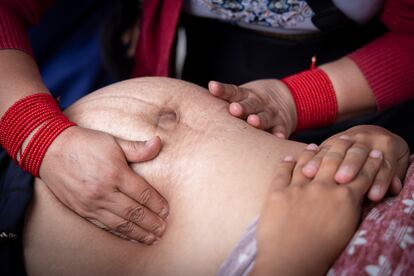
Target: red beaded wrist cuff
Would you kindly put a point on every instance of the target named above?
(314, 97)
(38, 111)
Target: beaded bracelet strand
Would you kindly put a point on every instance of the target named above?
(38, 113)
(314, 97)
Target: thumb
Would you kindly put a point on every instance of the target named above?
(140, 151)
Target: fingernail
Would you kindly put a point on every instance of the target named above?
(310, 168)
(312, 147)
(134, 241)
(375, 190)
(344, 137)
(344, 171)
(288, 158)
(280, 135)
(149, 239)
(375, 154)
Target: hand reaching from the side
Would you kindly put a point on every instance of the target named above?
(88, 171)
(264, 104)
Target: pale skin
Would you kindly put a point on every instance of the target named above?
(91, 167)
(215, 171)
(269, 105)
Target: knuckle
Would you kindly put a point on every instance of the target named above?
(94, 192)
(110, 175)
(126, 227)
(334, 155)
(359, 148)
(145, 196)
(136, 214)
(318, 187)
(366, 175)
(386, 139)
(342, 142)
(234, 90)
(133, 146)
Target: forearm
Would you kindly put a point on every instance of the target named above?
(353, 94)
(19, 77)
(373, 78)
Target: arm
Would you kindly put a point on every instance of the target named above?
(375, 77)
(95, 182)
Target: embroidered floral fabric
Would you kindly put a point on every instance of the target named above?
(269, 13)
(384, 242)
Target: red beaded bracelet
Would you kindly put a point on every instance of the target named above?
(314, 97)
(39, 113)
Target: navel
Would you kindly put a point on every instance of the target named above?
(168, 119)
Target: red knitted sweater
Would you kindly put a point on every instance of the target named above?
(387, 63)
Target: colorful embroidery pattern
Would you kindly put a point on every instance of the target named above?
(269, 13)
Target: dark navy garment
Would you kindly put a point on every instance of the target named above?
(66, 44)
(237, 55)
(15, 194)
(67, 47)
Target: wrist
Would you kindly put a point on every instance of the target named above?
(28, 128)
(289, 105)
(314, 98)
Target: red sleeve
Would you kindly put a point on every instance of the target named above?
(16, 16)
(388, 62)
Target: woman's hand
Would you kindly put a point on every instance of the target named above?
(264, 104)
(88, 171)
(305, 223)
(367, 138)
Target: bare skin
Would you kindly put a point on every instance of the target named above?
(215, 171)
(88, 191)
(366, 138)
(305, 223)
(269, 105)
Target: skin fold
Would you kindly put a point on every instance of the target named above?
(214, 169)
